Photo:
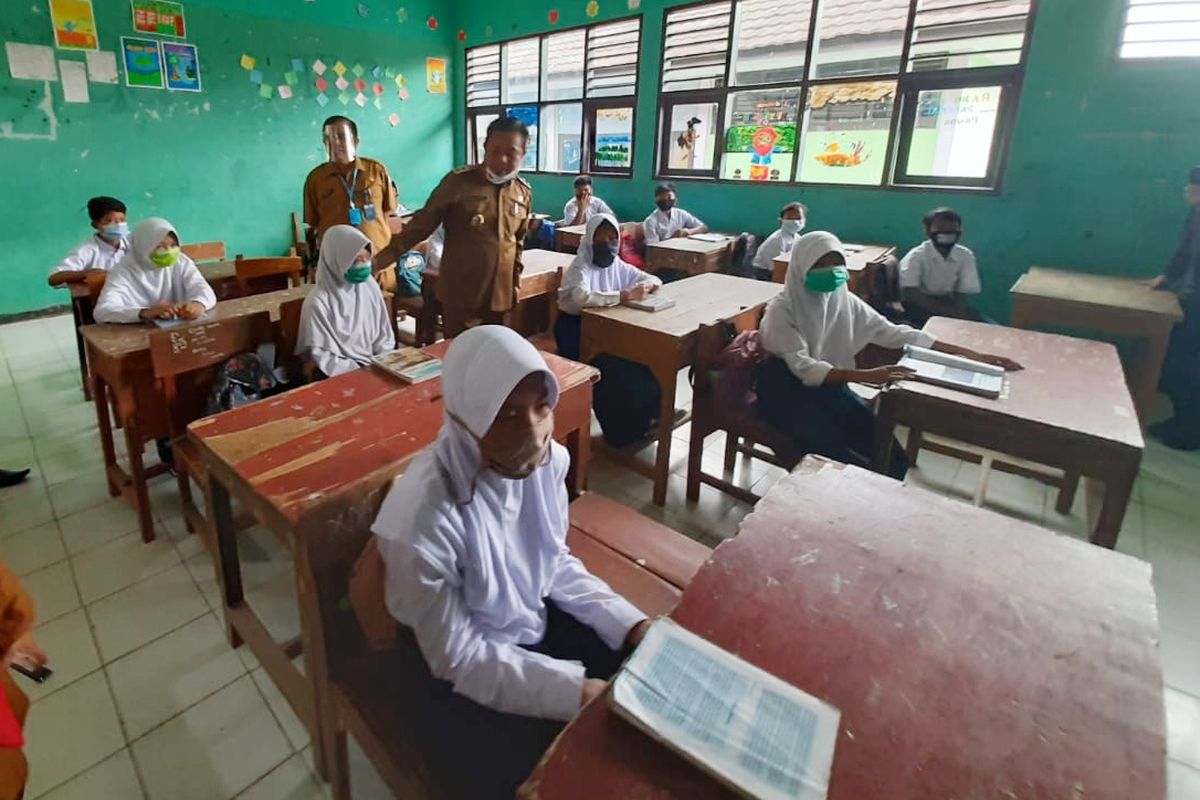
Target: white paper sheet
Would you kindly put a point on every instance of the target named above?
(102, 66)
(74, 81)
(31, 61)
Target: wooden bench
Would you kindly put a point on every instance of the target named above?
(643, 560)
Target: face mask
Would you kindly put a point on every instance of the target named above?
(826, 280)
(359, 272)
(500, 180)
(115, 232)
(164, 256)
(945, 240)
(604, 254)
(665, 206)
(514, 450)
(792, 225)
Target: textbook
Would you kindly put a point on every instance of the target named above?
(651, 302)
(409, 364)
(757, 734)
(954, 372)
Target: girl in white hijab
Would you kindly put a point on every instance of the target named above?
(627, 398)
(154, 280)
(815, 328)
(473, 536)
(344, 322)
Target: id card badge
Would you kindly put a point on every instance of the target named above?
(369, 212)
(356, 216)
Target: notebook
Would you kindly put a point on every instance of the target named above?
(709, 237)
(757, 734)
(651, 302)
(954, 372)
(409, 364)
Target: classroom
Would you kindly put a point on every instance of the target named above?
(811, 408)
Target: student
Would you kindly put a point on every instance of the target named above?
(627, 398)
(344, 322)
(584, 205)
(154, 280)
(669, 222)
(101, 251)
(814, 330)
(512, 627)
(791, 221)
(937, 275)
(1181, 368)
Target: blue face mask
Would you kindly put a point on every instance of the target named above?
(604, 254)
(115, 232)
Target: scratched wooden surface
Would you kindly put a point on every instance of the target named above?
(1070, 384)
(1096, 290)
(297, 449)
(971, 655)
(119, 341)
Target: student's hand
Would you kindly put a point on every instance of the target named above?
(1157, 282)
(650, 288)
(162, 310)
(634, 293)
(592, 688)
(999, 361)
(637, 633)
(681, 234)
(192, 310)
(882, 376)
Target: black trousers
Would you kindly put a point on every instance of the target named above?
(1181, 368)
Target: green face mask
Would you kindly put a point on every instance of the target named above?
(826, 280)
(358, 273)
(164, 257)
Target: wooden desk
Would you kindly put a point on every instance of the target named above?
(568, 237)
(292, 459)
(862, 265)
(1067, 409)
(1117, 306)
(693, 256)
(119, 357)
(971, 655)
(665, 340)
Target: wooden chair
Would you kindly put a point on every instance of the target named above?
(303, 244)
(545, 341)
(365, 690)
(743, 427)
(204, 251)
(289, 335)
(179, 351)
(261, 275)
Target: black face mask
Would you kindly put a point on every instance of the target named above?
(665, 205)
(604, 254)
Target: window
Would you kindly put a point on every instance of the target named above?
(842, 92)
(573, 89)
(1162, 29)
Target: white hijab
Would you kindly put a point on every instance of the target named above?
(349, 320)
(136, 282)
(583, 277)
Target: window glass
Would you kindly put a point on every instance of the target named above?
(562, 137)
(760, 135)
(846, 129)
(481, 123)
(519, 71)
(692, 137)
(770, 41)
(562, 66)
(856, 38)
(953, 132)
(1162, 29)
(614, 138)
(528, 115)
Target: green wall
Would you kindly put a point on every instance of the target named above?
(1095, 174)
(223, 164)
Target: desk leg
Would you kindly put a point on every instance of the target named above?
(885, 435)
(1021, 317)
(104, 423)
(667, 379)
(321, 726)
(225, 554)
(1145, 369)
(1118, 487)
(77, 314)
(137, 471)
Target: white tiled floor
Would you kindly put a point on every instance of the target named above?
(147, 700)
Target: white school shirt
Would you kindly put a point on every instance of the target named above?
(586, 285)
(777, 244)
(92, 253)
(926, 269)
(595, 206)
(660, 227)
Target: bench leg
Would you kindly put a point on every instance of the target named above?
(339, 765)
(229, 568)
(1066, 492)
(913, 448)
(185, 495)
(731, 450)
(695, 459)
(137, 477)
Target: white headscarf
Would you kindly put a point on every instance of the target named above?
(815, 332)
(584, 281)
(348, 320)
(136, 282)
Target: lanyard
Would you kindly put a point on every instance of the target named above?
(350, 187)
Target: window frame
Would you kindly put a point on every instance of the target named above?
(908, 84)
(589, 104)
(1154, 60)
(590, 107)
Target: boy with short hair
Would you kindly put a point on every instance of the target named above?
(791, 221)
(101, 251)
(669, 222)
(584, 205)
(937, 275)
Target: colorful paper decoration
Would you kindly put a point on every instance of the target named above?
(363, 11)
(297, 65)
(74, 25)
(462, 35)
(319, 67)
(377, 72)
(399, 81)
(402, 15)
(379, 103)
(394, 118)
(182, 66)
(358, 70)
(432, 23)
(285, 92)
(360, 99)
(403, 93)
(248, 62)
(343, 98)
(266, 91)
(593, 8)
(389, 72)
(342, 84)
(377, 89)
(291, 78)
(256, 76)
(321, 84)
(322, 100)
(340, 69)
(634, 5)
(360, 85)
(553, 16)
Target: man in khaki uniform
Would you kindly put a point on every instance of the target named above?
(351, 190)
(485, 210)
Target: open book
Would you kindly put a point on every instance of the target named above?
(409, 364)
(651, 302)
(757, 734)
(954, 372)
(710, 237)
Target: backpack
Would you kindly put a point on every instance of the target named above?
(732, 371)
(409, 270)
(241, 380)
(741, 262)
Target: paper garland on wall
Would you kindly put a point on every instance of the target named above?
(402, 15)
(432, 23)
(553, 16)
(593, 8)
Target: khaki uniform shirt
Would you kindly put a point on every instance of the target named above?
(326, 202)
(485, 225)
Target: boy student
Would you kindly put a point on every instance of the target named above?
(584, 205)
(101, 251)
(669, 222)
(791, 221)
(937, 275)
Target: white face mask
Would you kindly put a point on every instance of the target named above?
(499, 180)
(792, 225)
